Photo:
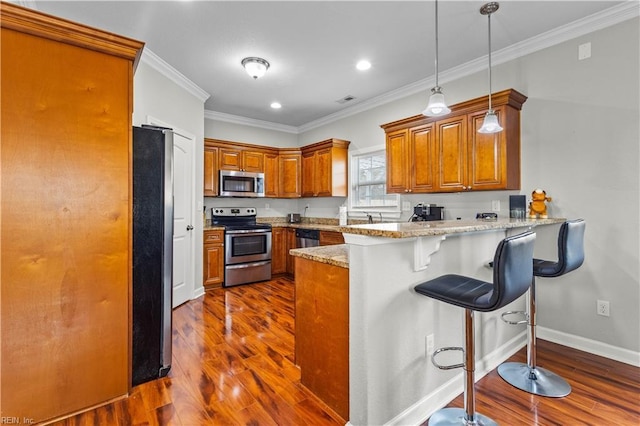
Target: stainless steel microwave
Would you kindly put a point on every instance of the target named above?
(241, 184)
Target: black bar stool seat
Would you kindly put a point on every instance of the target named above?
(529, 377)
(512, 276)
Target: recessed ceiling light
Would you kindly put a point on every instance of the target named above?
(363, 65)
(276, 105)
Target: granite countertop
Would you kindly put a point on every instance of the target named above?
(337, 255)
(440, 227)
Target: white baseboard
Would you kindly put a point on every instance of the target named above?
(423, 409)
(591, 346)
(198, 292)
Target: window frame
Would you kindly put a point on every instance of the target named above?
(388, 212)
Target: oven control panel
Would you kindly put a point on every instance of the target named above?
(234, 211)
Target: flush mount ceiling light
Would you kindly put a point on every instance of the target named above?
(437, 106)
(255, 67)
(363, 65)
(490, 124)
(276, 105)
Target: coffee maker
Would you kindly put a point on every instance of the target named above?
(427, 212)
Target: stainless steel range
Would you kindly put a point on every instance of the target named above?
(247, 245)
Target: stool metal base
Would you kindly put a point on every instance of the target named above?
(538, 381)
(456, 416)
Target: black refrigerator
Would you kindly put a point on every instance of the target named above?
(152, 252)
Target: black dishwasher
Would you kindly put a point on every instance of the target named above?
(307, 238)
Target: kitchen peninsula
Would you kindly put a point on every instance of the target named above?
(391, 378)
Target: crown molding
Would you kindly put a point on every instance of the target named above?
(237, 119)
(158, 64)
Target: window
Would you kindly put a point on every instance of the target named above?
(369, 184)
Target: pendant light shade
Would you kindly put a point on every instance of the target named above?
(490, 124)
(437, 106)
(255, 67)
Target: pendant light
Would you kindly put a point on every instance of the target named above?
(437, 105)
(490, 124)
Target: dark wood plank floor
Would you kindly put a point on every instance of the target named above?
(233, 364)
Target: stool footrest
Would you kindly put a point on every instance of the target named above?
(448, 348)
(522, 313)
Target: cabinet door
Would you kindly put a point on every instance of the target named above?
(423, 164)
(291, 244)
(452, 154)
(213, 265)
(308, 174)
(210, 171)
(253, 161)
(328, 238)
(397, 162)
(271, 175)
(290, 166)
(488, 155)
(323, 173)
(279, 251)
(230, 159)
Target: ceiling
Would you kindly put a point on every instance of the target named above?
(313, 46)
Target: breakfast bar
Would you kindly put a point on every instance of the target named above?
(391, 378)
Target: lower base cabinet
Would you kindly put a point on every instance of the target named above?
(213, 262)
(322, 331)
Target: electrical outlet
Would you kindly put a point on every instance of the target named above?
(495, 205)
(266, 206)
(307, 206)
(603, 308)
(429, 346)
(406, 206)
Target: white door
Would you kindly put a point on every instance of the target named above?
(183, 187)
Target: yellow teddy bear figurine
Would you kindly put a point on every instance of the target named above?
(537, 207)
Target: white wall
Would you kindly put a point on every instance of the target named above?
(161, 98)
(580, 138)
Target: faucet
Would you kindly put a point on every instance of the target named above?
(369, 217)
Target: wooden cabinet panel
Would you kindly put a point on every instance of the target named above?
(65, 271)
(290, 167)
(322, 315)
(210, 171)
(291, 244)
(452, 154)
(461, 159)
(271, 175)
(328, 238)
(240, 159)
(324, 169)
(279, 250)
(213, 260)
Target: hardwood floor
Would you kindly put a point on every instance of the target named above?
(233, 364)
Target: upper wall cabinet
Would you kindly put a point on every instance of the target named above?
(447, 154)
(245, 160)
(324, 169)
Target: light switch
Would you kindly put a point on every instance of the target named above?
(584, 51)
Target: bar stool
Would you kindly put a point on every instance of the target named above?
(529, 377)
(512, 277)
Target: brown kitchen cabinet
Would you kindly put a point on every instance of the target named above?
(447, 154)
(291, 244)
(328, 238)
(289, 174)
(210, 171)
(322, 315)
(213, 262)
(271, 175)
(241, 160)
(279, 250)
(324, 169)
(67, 98)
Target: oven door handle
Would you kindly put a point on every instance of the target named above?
(249, 231)
(247, 265)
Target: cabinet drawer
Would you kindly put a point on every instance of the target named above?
(214, 236)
